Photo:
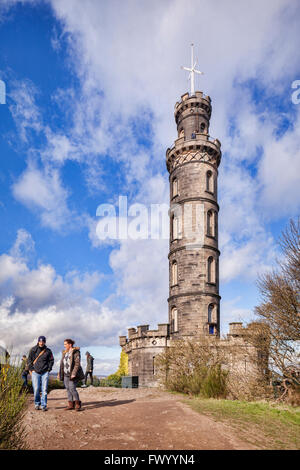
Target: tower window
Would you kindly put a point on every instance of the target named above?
(202, 126)
(210, 224)
(212, 313)
(174, 273)
(174, 227)
(174, 320)
(211, 329)
(211, 270)
(174, 187)
(209, 182)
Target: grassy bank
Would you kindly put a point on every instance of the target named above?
(265, 425)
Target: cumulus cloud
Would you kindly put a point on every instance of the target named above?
(42, 190)
(40, 301)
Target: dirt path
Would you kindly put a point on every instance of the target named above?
(121, 419)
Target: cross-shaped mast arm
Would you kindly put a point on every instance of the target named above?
(192, 71)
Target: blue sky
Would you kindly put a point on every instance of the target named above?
(91, 88)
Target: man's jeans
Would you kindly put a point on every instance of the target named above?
(24, 378)
(40, 384)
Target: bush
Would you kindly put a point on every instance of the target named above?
(214, 384)
(55, 384)
(13, 402)
(193, 366)
(112, 380)
(115, 380)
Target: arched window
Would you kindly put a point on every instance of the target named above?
(215, 223)
(211, 270)
(174, 227)
(174, 273)
(174, 320)
(210, 224)
(181, 133)
(209, 182)
(174, 187)
(212, 313)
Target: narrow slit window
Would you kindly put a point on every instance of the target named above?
(175, 187)
(209, 182)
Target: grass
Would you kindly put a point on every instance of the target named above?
(263, 424)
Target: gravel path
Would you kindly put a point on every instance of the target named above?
(121, 419)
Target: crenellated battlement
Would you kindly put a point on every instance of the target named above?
(142, 332)
(188, 99)
(142, 345)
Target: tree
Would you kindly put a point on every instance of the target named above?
(279, 309)
(116, 377)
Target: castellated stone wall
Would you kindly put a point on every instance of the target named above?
(142, 346)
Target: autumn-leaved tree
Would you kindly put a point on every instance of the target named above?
(280, 308)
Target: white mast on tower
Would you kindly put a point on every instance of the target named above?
(192, 71)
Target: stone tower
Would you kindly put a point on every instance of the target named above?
(194, 301)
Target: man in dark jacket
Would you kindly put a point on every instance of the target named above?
(40, 363)
(89, 368)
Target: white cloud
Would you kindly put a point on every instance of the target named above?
(24, 110)
(279, 174)
(43, 191)
(23, 245)
(231, 312)
(40, 301)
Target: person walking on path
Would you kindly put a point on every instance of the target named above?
(70, 372)
(40, 363)
(25, 371)
(89, 368)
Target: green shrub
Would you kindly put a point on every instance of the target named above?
(96, 381)
(112, 381)
(193, 366)
(13, 402)
(215, 383)
(55, 384)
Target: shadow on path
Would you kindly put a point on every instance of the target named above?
(99, 404)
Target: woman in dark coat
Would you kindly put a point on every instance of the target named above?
(70, 372)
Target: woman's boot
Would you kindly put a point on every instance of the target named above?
(77, 405)
(70, 406)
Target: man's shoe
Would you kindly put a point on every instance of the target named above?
(45, 408)
(37, 407)
(83, 386)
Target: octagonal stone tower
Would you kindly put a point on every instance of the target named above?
(194, 301)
